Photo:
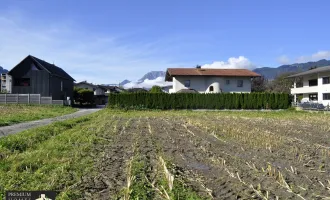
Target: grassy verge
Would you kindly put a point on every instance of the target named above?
(12, 114)
(53, 157)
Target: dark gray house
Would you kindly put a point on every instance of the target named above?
(35, 76)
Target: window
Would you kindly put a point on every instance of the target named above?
(34, 68)
(313, 97)
(312, 82)
(326, 80)
(61, 86)
(239, 83)
(187, 83)
(22, 82)
(227, 82)
(326, 96)
(211, 89)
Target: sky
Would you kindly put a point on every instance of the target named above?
(108, 41)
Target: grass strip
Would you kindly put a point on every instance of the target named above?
(53, 157)
(13, 114)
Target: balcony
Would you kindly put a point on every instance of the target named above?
(304, 90)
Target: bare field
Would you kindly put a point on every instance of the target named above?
(188, 155)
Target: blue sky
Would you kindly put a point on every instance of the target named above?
(108, 41)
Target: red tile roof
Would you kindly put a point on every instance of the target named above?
(171, 72)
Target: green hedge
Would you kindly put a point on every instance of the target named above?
(200, 101)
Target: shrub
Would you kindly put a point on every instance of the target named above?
(200, 101)
(83, 96)
(156, 89)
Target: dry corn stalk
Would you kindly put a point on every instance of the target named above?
(168, 175)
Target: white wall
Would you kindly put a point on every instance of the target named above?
(320, 89)
(202, 83)
(232, 87)
(6, 83)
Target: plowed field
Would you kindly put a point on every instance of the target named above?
(202, 155)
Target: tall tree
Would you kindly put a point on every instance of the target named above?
(259, 84)
(282, 83)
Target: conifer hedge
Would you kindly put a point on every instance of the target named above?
(200, 101)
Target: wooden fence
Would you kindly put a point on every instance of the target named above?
(28, 99)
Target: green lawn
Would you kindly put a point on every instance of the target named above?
(12, 114)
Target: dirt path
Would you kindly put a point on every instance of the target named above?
(7, 130)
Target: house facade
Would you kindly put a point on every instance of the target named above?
(205, 80)
(315, 86)
(97, 90)
(35, 76)
(5, 83)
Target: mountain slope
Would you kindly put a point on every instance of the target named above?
(268, 72)
(152, 75)
(2, 70)
(124, 82)
(271, 73)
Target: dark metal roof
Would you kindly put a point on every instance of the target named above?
(86, 83)
(52, 69)
(312, 71)
(208, 72)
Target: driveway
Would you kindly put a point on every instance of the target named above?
(7, 130)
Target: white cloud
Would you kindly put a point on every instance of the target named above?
(283, 59)
(314, 57)
(160, 81)
(83, 54)
(233, 63)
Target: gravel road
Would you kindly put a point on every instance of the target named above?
(7, 130)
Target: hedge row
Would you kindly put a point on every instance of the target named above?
(200, 101)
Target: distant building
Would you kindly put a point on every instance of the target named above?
(205, 80)
(167, 88)
(5, 83)
(35, 76)
(101, 92)
(315, 86)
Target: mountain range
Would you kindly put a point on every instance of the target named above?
(2, 70)
(271, 73)
(268, 72)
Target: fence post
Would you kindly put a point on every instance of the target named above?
(29, 98)
(5, 98)
(17, 98)
(39, 98)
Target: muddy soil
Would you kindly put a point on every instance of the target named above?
(213, 157)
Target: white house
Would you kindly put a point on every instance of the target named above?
(6, 83)
(205, 80)
(315, 85)
(85, 85)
